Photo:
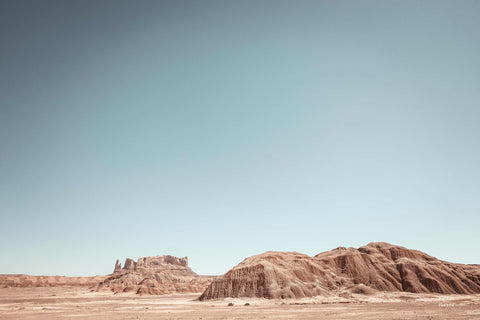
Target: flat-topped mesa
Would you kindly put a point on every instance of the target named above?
(149, 262)
(155, 264)
(129, 264)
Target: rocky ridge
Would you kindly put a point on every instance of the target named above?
(342, 271)
(24, 281)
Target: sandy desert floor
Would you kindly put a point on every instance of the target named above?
(80, 303)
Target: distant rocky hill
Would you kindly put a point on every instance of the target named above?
(374, 267)
(23, 281)
(154, 275)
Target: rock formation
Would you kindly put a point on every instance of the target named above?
(129, 264)
(374, 267)
(24, 281)
(118, 266)
(154, 275)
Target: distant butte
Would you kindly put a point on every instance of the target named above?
(154, 275)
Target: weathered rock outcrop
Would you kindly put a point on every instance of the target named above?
(129, 264)
(374, 267)
(118, 266)
(155, 275)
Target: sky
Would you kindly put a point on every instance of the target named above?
(222, 129)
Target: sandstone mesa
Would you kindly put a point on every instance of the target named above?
(154, 275)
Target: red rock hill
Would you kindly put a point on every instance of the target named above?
(375, 267)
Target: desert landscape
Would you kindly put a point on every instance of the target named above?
(376, 281)
(215, 159)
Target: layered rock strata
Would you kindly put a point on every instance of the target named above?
(154, 275)
(374, 267)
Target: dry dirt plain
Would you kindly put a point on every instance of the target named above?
(80, 303)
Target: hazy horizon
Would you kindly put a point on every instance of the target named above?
(222, 129)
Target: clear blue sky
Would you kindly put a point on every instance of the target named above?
(222, 129)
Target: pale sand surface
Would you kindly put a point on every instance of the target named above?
(80, 303)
